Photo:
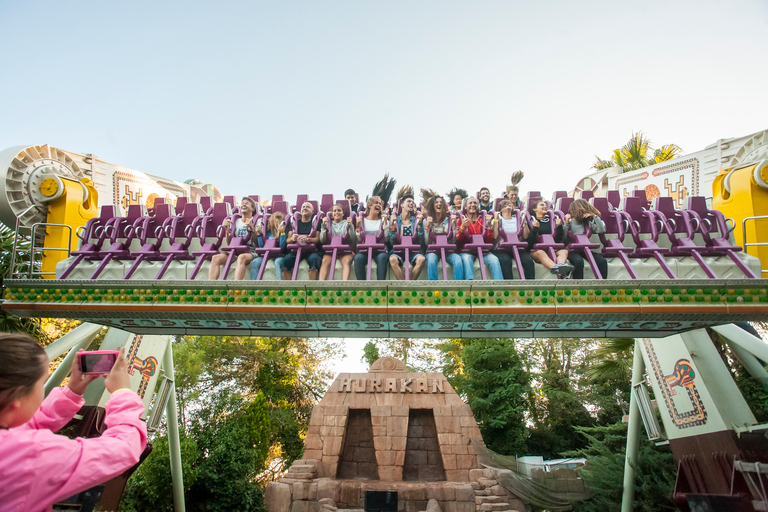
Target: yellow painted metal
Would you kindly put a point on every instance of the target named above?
(77, 204)
(745, 199)
(49, 187)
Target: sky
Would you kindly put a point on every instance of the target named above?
(315, 97)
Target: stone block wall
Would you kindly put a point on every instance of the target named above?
(358, 459)
(422, 451)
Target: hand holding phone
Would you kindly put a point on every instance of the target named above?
(118, 378)
(97, 362)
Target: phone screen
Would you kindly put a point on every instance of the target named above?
(97, 363)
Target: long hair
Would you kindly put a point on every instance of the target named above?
(273, 225)
(384, 188)
(22, 363)
(532, 209)
(429, 198)
(580, 208)
(454, 192)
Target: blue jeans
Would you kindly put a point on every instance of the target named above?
(256, 265)
(453, 259)
(468, 260)
(361, 262)
(313, 259)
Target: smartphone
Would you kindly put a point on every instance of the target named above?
(98, 362)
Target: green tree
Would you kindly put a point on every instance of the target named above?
(604, 473)
(225, 430)
(149, 486)
(637, 153)
(558, 369)
(370, 353)
(496, 387)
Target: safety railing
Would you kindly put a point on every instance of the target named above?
(752, 244)
(34, 250)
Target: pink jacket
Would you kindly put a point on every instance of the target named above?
(39, 468)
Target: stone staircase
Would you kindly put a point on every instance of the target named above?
(489, 495)
(302, 470)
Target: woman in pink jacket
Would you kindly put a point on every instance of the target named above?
(39, 468)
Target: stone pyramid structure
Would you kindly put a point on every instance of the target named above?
(384, 432)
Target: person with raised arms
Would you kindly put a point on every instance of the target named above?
(370, 225)
(472, 224)
(456, 199)
(506, 221)
(438, 223)
(405, 225)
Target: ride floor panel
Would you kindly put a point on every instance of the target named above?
(425, 309)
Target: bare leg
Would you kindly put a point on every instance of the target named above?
(313, 273)
(417, 266)
(242, 261)
(346, 266)
(543, 258)
(325, 267)
(562, 255)
(394, 262)
(216, 263)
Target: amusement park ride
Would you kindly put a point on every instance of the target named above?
(119, 248)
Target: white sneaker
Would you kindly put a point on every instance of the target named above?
(555, 269)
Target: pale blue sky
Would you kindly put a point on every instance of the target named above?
(312, 97)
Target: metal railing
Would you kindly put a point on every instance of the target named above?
(35, 249)
(752, 244)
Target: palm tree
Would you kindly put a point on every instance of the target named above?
(636, 154)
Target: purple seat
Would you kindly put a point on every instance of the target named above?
(181, 202)
(211, 234)
(405, 246)
(713, 228)
(95, 233)
(614, 225)
(640, 194)
(271, 247)
(677, 226)
(275, 199)
(299, 247)
(236, 246)
(545, 242)
(231, 200)
(563, 204)
(641, 222)
(582, 242)
(326, 202)
(614, 198)
(150, 231)
(207, 203)
(182, 227)
(477, 245)
(586, 195)
(121, 235)
(370, 244)
(511, 242)
(338, 245)
(559, 194)
(299, 201)
(346, 206)
(256, 198)
(439, 244)
(280, 206)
